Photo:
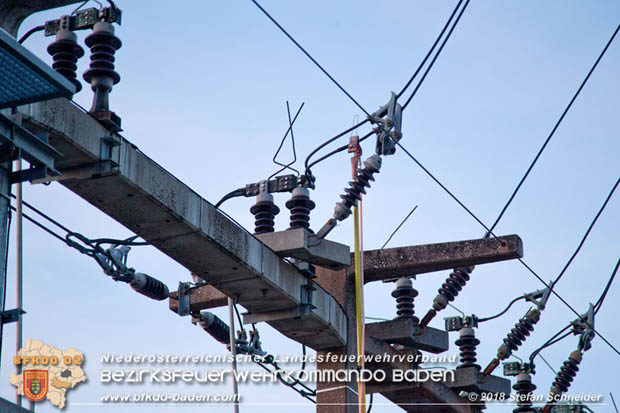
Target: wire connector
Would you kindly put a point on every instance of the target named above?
(585, 328)
(389, 117)
(540, 297)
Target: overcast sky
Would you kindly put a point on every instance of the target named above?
(203, 93)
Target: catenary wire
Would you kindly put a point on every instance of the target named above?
(547, 363)
(489, 231)
(599, 302)
(399, 226)
(31, 32)
(585, 236)
(555, 128)
(438, 182)
(501, 313)
(317, 64)
(549, 341)
(430, 51)
(406, 85)
(274, 21)
(430, 66)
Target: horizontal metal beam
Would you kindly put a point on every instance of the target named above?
(28, 146)
(392, 263)
(154, 204)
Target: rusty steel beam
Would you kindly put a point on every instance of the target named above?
(392, 263)
(204, 297)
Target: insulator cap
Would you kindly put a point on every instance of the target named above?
(264, 212)
(103, 44)
(405, 295)
(467, 343)
(213, 325)
(300, 206)
(65, 52)
(524, 388)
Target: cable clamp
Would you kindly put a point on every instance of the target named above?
(389, 119)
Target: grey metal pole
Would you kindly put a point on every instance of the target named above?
(233, 351)
(5, 210)
(19, 281)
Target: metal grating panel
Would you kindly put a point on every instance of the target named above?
(24, 78)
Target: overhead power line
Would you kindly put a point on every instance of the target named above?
(317, 64)
(430, 51)
(307, 165)
(599, 302)
(430, 66)
(555, 128)
(501, 313)
(585, 236)
(399, 226)
(489, 230)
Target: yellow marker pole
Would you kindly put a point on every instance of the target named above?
(359, 303)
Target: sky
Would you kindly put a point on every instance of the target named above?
(203, 92)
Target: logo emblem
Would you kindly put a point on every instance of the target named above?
(36, 384)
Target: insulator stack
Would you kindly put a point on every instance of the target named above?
(566, 374)
(467, 343)
(518, 334)
(149, 286)
(213, 325)
(404, 295)
(451, 287)
(101, 74)
(524, 388)
(300, 205)
(65, 52)
(264, 212)
(357, 186)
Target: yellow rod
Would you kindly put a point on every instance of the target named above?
(359, 303)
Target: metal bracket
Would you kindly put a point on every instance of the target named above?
(539, 297)
(290, 314)
(88, 171)
(10, 316)
(106, 146)
(514, 368)
(22, 144)
(86, 19)
(282, 183)
(184, 299)
(585, 328)
(458, 322)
